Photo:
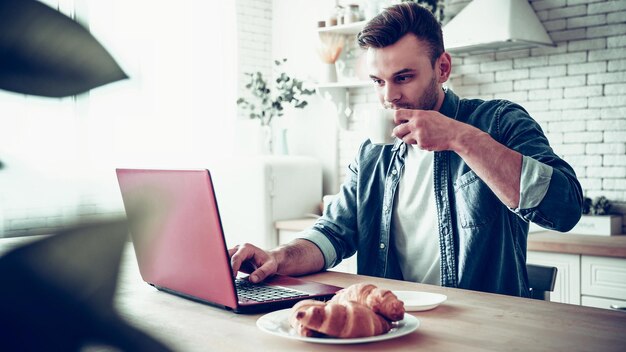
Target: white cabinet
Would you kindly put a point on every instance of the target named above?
(605, 303)
(255, 192)
(567, 286)
(586, 280)
(603, 281)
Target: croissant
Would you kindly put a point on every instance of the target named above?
(346, 320)
(302, 306)
(381, 301)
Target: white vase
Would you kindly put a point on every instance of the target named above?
(281, 147)
(329, 73)
(267, 140)
(255, 138)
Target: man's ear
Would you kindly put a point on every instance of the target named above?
(444, 67)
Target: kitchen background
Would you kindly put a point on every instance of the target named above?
(183, 60)
(576, 90)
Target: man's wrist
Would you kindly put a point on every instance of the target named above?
(467, 138)
(279, 254)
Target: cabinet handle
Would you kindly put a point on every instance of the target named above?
(618, 307)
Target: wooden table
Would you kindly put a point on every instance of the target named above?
(467, 321)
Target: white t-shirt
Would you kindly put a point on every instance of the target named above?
(414, 221)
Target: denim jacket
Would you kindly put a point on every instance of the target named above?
(482, 241)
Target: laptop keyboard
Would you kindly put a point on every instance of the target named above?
(247, 291)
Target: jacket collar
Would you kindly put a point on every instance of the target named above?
(450, 105)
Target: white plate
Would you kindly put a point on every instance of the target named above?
(415, 301)
(277, 323)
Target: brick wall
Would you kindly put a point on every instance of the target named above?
(254, 42)
(576, 90)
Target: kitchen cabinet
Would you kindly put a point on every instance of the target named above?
(567, 285)
(265, 189)
(591, 269)
(605, 303)
(603, 281)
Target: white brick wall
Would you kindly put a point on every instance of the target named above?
(254, 42)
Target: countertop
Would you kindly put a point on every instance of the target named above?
(545, 241)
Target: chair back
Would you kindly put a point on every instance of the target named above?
(541, 280)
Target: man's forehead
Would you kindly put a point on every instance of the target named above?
(407, 53)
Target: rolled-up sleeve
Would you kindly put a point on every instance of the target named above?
(323, 243)
(534, 182)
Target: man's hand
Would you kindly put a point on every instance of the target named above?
(428, 129)
(250, 259)
(298, 257)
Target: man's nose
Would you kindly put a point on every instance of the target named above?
(391, 94)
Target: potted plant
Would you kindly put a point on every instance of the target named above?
(597, 220)
(267, 102)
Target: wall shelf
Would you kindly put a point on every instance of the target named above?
(347, 29)
(338, 94)
(344, 85)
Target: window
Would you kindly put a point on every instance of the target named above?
(177, 110)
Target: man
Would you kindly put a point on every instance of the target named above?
(449, 203)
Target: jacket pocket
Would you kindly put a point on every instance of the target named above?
(475, 202)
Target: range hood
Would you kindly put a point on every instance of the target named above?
(494, 25)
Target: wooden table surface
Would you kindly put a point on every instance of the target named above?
(467, 321)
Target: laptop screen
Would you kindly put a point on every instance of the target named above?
(177, 233)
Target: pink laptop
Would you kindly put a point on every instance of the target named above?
(180, 247)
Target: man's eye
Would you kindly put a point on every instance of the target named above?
(378, 82)
(403, 78)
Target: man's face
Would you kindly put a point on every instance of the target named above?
(404, 76)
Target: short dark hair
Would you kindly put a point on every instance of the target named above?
(394, 22)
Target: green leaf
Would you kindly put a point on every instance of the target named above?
(287, 90)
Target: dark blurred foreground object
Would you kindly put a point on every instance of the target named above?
(43, 52)
(56, 294)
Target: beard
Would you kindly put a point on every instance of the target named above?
(428, 99)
